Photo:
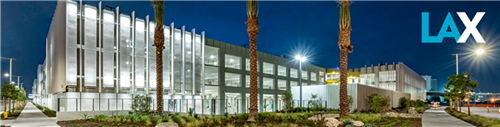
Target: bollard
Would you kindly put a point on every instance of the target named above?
(488, 109)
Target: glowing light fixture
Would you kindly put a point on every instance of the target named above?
(6, 75)
(301, 58)
(479, 51)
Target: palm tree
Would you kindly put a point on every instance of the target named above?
(345, 47)
(159, 39)
(253, 30)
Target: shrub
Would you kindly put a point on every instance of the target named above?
(190, 112)
(419, 103)
(180, 119)
(366, 118)
(419, 109)
(369, 125)
(350, 100)
(101, 118)
(310, 123)
(261, 117)
(346, 122)
(316, 103)
(404, 103)
(136, 118)
(191, 119)
(242, 116)
(379, 104)
(158, 119)
(287, 99)
(141, 104)
(85, 117)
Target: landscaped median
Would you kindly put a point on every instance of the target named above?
(48, 112)
(473, 119)
(13, 113)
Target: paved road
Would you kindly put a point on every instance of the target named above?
(439, 118)
(32, 117)
(483, 111)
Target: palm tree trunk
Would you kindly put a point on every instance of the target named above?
(4, 105)
(159, 41)
(253, 30)
(10, 108)
(344, 105)
(345, 48)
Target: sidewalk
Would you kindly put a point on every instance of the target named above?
(439, 118)
(32, 117)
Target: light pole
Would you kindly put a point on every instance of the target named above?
(300, 59)
(478, 52)
(7, 75)
(10, 70)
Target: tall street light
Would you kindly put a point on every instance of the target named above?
(478, 52)
(10, 72)
(7, 75)
(300, 59)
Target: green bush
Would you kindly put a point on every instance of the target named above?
(136, 118)
(404, 103)
(369, 125)
(379, 103)
(366, 118)
(158, 119)
(350, 100)
(419, 109)
(101, 118)
(287, 99)
(180, 119)
(141, 103)
(315, 104)
(261, 117)
(310, 123)
(346, 122)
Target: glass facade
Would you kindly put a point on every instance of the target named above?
(233, 79)
(268, 68)
(294, 73)
(281, 70)
(232, 62)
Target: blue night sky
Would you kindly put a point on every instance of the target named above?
(381, 31)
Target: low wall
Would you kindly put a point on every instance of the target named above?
(364, 91)
(66, 116)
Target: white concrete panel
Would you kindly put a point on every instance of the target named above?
(71, 43)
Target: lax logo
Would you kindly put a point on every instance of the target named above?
(470, 28)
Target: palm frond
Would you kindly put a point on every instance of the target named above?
(345, 15)
(252, 8)
(158, 6)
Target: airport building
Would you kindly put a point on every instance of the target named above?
(98, 59)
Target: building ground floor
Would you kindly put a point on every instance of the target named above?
(216, 101)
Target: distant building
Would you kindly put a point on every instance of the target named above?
(434, 85)
(428, 82)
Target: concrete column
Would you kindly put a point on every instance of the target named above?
(222, 81)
